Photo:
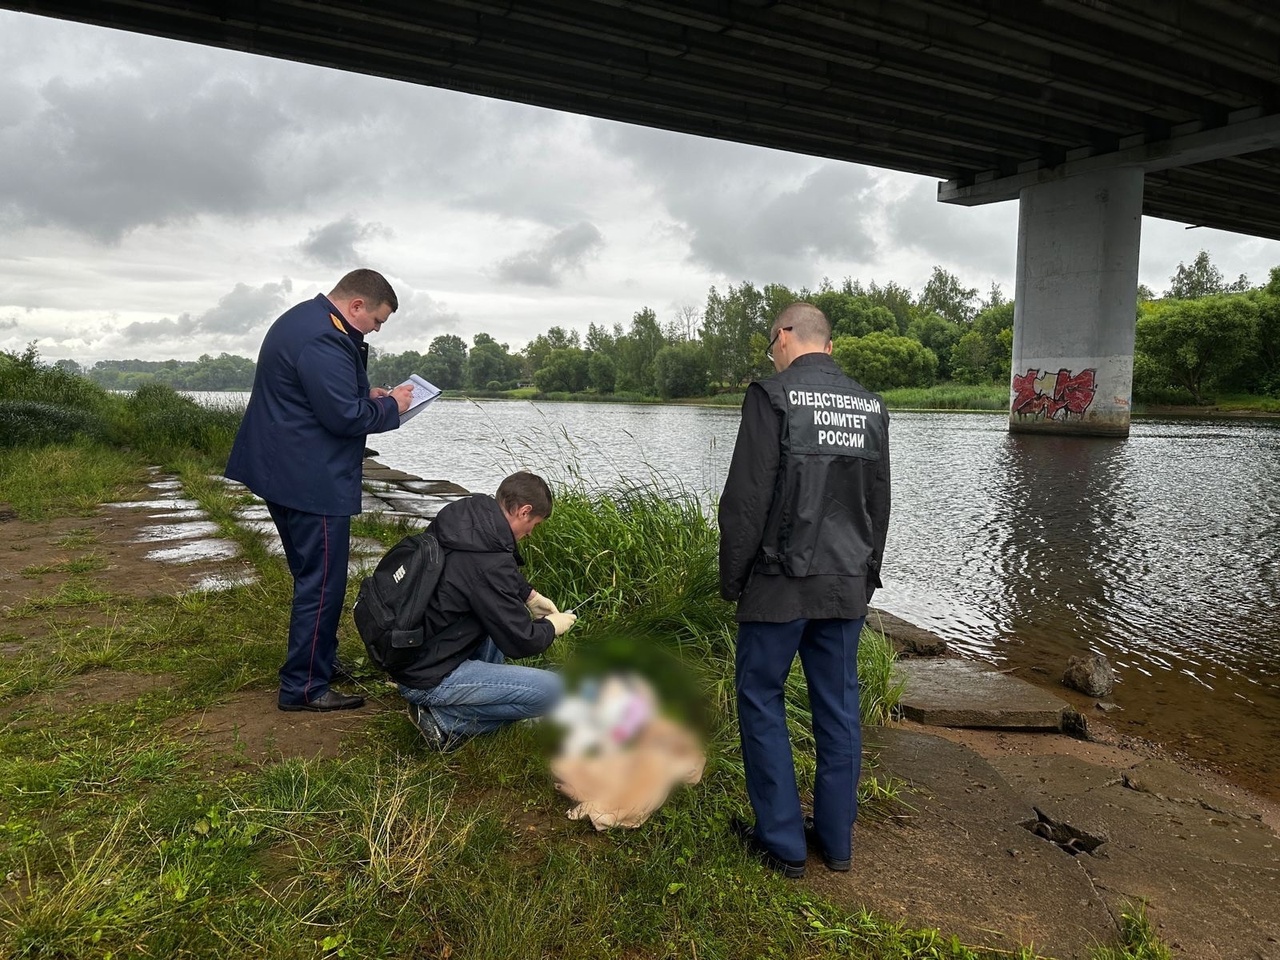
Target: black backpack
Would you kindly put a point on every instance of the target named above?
(391, 607)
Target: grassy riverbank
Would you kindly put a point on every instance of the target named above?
(127, 828)
(125, 834)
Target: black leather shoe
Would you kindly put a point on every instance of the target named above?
(791, 869)
(327, 701)
(811, 835)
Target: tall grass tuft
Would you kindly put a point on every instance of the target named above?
(164, 424)
(644, 554)
(1138, 940)
(24, 377)
(42, 405)
(641, 568)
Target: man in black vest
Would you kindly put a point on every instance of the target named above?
(803, 521)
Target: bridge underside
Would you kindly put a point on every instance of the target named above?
(1172, 104)
(985, 95)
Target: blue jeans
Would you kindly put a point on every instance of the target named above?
(485, 693)
(829, 654)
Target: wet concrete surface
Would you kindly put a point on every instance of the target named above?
(177, 531)
(950, 692)
(176, 503)
(194, 550)
(1050, 849)
(187, 537)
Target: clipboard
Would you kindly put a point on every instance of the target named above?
(424, 391)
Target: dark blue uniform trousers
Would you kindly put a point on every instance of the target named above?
(829, 655)
(316, 546)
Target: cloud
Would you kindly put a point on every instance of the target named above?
(239, 312)
(8, 323)
(334, 244)
(546, 265)
(979, 239)
(750, 213)
(105, 155)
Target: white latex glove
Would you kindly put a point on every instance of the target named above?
(540, 606)
(562, 622)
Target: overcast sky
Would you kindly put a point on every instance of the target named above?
(159, 199)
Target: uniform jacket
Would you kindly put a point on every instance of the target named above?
(481, 581)
(301, 443)
(805, 509)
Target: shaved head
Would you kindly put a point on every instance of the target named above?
(808, 324)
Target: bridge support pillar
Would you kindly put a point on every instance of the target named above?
(1075, 297)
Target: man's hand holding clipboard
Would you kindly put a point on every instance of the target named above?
(422, 392)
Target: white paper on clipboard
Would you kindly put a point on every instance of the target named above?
(424, 391)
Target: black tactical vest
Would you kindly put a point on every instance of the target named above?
(834, 433)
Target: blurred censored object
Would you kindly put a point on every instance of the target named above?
(623, 787)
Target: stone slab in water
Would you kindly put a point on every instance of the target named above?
(436, 488)
(413, 507)
(966, 693)
(908, 639)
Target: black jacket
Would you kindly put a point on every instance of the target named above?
(481, 581)
(805, 509)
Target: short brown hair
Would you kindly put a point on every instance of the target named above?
(524, 488)
(369, 285)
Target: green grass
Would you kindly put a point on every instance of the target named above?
(1138, 941)
(1221, 403)
(81, 564)
(949, 396)
(41, 483)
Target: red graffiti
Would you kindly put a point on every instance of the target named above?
(1069, 394)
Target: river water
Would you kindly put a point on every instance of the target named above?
(1161, 550)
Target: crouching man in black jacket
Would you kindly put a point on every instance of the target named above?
(483, 612)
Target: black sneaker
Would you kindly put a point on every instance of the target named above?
(427, 726)
(811, 835)
(791, 869)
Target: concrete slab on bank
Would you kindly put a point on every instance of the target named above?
(946, 692)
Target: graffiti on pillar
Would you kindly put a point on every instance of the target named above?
(1057, 396)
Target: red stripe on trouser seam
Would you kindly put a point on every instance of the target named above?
(324, 581)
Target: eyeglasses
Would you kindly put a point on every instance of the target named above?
(768, 354)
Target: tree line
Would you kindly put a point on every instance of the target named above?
(1204, 334)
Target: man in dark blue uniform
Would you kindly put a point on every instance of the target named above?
(803, 521)
(301, 448)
